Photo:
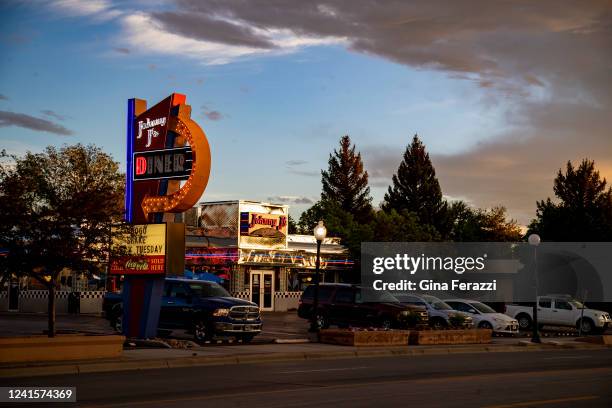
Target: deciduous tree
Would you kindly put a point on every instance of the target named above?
(56, 209)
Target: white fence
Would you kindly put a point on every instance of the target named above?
(35, 301)
(283, 301)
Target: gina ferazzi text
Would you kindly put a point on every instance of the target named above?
(428, 284)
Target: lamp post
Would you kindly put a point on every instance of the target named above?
(319, 232)
(534, 241)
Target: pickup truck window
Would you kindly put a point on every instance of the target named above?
(562, 304)
(545, 302)
(208, 289)
(177, 290)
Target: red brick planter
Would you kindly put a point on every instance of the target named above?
(360, 338)
(470, 336)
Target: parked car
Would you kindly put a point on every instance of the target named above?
(441, 315)
(342, 305)
(485, 317)
(203, 308)
(561, 310)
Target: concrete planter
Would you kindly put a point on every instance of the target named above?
(346, 337)
(60, 348)
(469, 336)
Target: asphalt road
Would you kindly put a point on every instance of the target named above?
(563, 378)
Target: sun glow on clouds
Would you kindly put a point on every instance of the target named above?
(144, 34)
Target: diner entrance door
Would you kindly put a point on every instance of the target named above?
(262, 289)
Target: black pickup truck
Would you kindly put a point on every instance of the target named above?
(203, 308)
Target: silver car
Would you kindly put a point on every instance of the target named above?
(440, 313)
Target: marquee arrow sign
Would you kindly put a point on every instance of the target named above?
(165, 146)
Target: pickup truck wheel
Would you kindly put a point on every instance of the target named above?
(201, 331)
(587, 326)
(524, 321)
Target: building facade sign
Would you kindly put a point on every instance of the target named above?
(263, 225)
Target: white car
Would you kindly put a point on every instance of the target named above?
(484, 317)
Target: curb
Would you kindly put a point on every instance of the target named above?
(196, 361)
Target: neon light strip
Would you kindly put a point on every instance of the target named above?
(334, 261)
(129, 215)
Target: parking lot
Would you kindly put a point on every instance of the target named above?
(279, 325)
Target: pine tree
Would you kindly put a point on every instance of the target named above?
(584, 209)
(345, 183)
(415, 186)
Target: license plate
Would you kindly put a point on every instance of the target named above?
(248, 328)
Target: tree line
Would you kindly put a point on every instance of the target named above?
(414, 208)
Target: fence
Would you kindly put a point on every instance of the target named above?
(35, 301)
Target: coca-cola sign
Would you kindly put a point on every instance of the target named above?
(139, 249)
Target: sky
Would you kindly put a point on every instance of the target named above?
(502, 93)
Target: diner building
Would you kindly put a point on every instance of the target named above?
(247, 244)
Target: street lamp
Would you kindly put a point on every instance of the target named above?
(319, 232)
(534, 241)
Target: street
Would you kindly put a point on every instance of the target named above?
(562, 378)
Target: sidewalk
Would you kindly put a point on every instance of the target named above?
(143, 359)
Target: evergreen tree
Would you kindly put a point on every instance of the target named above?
(346, 182)
(584, 210)
(415, 186)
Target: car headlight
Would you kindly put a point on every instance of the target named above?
(221, 312)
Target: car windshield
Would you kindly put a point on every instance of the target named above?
(577, 304)
(437, 303)
(481, 307)
(208, 289)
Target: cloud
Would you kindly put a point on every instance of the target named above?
(208, 38)
(290, 200)
(53, 114)
(3, 97)
(546, 65)
(295, 162)
(211, 114)
(33, 123)
(99, 9)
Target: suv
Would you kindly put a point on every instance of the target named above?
(201, 307)
(441, 315)
(342, 305)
